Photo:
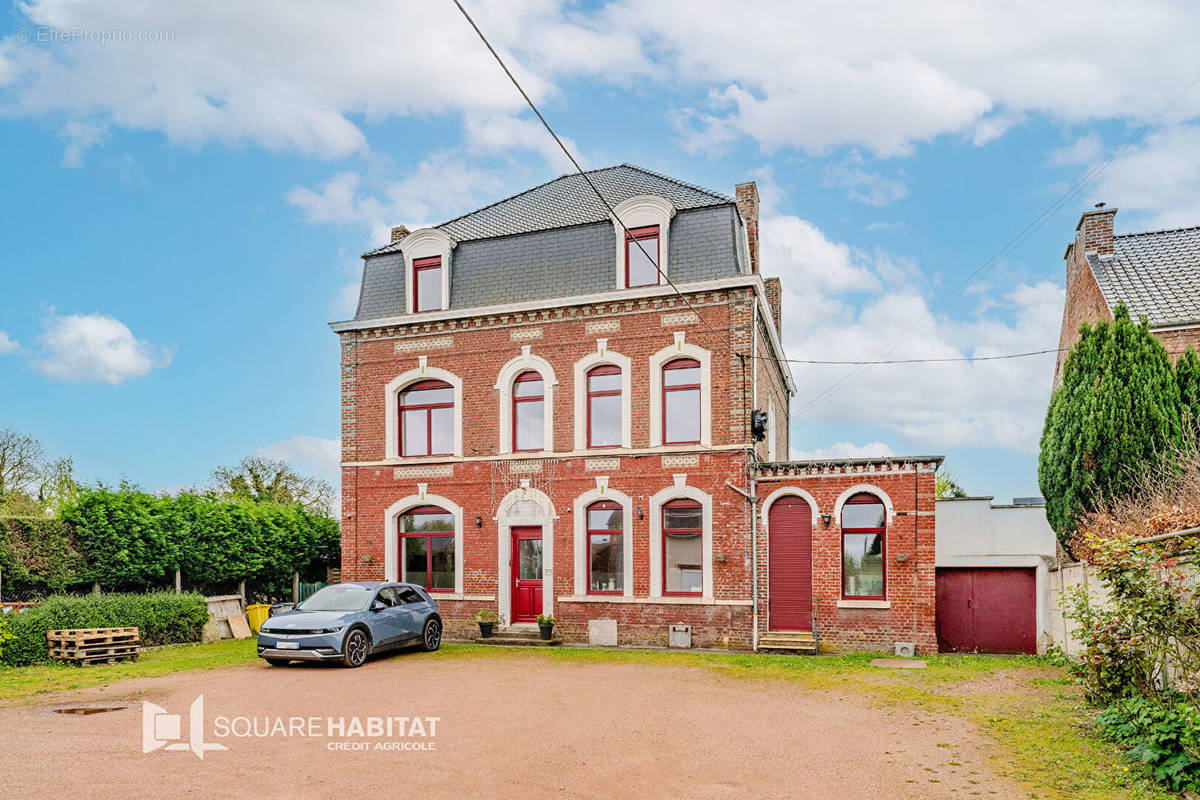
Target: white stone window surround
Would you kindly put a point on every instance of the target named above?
(680, 349)
(603, 356)
(516, 509)
(788, 491)
(680, 490)
(602, 492)
(391, 405)
(642, 211)
(863, 488)
(526, 362)
(427, 243)
(391, 537)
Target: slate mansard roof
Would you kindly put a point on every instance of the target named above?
(1156, 274)
(557, 240)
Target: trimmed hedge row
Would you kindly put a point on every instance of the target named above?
(128, 540)
(161, 618)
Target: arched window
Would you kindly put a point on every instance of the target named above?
(864, 571)
(427, 419)
(681, 401)
(683, 547)
(605, 548)
(529, 412)
(427, 548)
(604, 406)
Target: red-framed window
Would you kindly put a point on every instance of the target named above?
(427, 419)
(427, 548)
(681, 401)
(604, 410)
(642, 257)
(427, 284)
(606, 548)
(529, 412)
(864, 548)
(683, 548)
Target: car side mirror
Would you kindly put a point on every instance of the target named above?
(378, 605)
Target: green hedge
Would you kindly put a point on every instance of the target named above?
(161, 618)
(38, 556)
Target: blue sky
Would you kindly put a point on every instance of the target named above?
(187, 190)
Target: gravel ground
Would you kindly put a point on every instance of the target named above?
(513, 726)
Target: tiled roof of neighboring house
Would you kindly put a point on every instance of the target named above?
(568, 201)
(1156, 274)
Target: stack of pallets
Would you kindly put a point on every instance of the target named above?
(93, 645)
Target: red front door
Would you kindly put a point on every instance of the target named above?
(789, 589)
(526, 570)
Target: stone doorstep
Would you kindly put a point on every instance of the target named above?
(504, 640)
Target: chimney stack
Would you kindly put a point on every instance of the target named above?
(399, 232)
(747, 205)
(1095, 230)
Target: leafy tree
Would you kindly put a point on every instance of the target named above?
(1117, 409)
(944, 485)
(266, 480)
(20, 462)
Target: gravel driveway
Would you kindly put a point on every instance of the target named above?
(517, 725)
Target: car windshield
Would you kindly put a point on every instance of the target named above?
(338, 598)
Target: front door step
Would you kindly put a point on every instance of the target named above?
(518, 637)
(795, 641)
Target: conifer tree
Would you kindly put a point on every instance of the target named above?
(1187, 377)
(1117, 410)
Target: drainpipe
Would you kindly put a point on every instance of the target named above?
(753, 470)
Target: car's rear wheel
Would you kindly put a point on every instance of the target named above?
(278, 662)
(354, 652)
(431, 639)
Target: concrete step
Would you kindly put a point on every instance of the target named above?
(792, 641)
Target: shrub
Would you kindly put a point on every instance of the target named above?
(161, 618)
(1164, 737)
(5, 636)
(38, 556)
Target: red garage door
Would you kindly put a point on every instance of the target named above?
(987, 610)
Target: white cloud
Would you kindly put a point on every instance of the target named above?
(80, 135)
(345, 302)
(843, 450)
(1083, 150)
(881, 76)
(95, 347)
(311, 454)
(843, 303)
(870, 188)
(1160, 180)
(8, 345)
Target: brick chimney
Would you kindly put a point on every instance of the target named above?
(399, 232)
(747, 205)
(1093, 234)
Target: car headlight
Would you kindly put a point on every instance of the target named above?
(327, 630)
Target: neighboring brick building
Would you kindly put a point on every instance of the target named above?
(1156, 274)
(534, 422)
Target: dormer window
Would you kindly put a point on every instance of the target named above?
(427, 284)
(642, 257)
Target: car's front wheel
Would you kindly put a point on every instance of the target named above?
(354, 652)
(431, 639)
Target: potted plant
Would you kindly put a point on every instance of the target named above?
(487, 621)
(546, 625)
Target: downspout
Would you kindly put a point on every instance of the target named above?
(753, 470)
(916, 528)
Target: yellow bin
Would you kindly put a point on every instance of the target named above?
(257, 613)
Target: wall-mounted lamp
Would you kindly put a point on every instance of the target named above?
(478, 521)
(639, 512)
(826, 518)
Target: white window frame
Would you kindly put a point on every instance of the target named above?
(391, 538)
(602, 492)
(526, 362)
(643, 211)
(603, 356)
(391, 402)
(680, 491)
(426, 243)
(680, 349)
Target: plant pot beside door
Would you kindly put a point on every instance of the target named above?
(545, 626)
(487, 622)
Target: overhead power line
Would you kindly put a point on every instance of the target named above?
(929, 360)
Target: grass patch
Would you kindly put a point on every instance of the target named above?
(21, 683)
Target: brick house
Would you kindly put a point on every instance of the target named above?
(1156, 274)
(534, 422)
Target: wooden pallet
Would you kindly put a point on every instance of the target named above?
(93, 645)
